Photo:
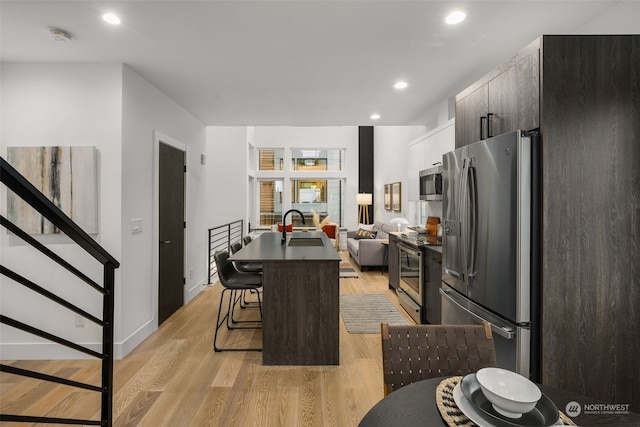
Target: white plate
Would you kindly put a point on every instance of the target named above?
(467, 408)
(471, 412)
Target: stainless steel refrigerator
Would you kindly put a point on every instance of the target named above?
(490, 244)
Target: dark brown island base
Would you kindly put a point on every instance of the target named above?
(300, 321)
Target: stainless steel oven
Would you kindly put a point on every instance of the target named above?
(411, 292)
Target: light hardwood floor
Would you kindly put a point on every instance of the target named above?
(174, 378)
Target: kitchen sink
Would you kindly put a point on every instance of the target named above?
(305, 241)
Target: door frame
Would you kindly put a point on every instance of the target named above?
(159, 137)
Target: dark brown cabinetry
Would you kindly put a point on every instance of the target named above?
(514, 97)
(590, 126)
(393, 262)
(505, 100)
(432, 281)
(469, 111)
(588, 112)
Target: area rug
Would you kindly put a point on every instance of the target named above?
(363, 313)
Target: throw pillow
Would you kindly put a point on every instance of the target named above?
(289, 228)
(364, 234)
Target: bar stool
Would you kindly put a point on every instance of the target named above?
(246, 267)
(233, 282)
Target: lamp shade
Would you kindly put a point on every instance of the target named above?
(364, 199)
(402, 223)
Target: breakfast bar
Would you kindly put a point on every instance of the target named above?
(300, 320)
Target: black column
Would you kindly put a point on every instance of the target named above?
(365, 163)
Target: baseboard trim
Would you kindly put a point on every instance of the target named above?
(52, 351)
(120, 350)
(195, 290)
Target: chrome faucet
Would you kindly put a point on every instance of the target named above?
(284, 224)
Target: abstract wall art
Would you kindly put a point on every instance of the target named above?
(66, 175)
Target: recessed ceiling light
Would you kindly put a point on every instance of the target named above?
(374, 116)
(111, 18)
(455, 17)
(401, 85)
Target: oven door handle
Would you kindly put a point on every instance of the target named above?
(503, 332)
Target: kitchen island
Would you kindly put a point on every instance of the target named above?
(300, 319)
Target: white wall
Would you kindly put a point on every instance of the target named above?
(226, 175)
(147, 111)
(60, 104)
(402, 151)
(391, 164)
(111, 107)
(423, 153)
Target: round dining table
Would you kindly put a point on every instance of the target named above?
(414, 405)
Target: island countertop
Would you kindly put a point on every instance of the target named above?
(267, 247)
(301, 297)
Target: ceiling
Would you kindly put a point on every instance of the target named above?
(304, 63)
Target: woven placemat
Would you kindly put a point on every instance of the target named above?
(450, 412)
(566, 420)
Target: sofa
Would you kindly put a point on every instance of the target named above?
(365, 244)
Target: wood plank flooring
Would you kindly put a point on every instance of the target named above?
(174, 378)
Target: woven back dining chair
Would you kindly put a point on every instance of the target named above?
(412, 353)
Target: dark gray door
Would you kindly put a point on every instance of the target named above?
(171, 231)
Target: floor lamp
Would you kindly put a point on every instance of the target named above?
(364, 200)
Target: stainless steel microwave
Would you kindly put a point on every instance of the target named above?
(431, 183)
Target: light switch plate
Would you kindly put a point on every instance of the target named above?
(136, 226)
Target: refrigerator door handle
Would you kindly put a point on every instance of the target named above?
(472, 230)
(462, 215)
(503, 332)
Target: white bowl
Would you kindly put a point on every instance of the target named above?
(510, 394)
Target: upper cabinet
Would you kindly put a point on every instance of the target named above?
(504, 100)
(471, 113)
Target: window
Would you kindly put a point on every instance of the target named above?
(323, 196)
(310, 180)
(270, 159)
(270, 194)
(317, 160)
(309, 191)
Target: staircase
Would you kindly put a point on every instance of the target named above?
(18, 184)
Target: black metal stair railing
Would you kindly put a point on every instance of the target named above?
(15, 182)
(221, 238)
